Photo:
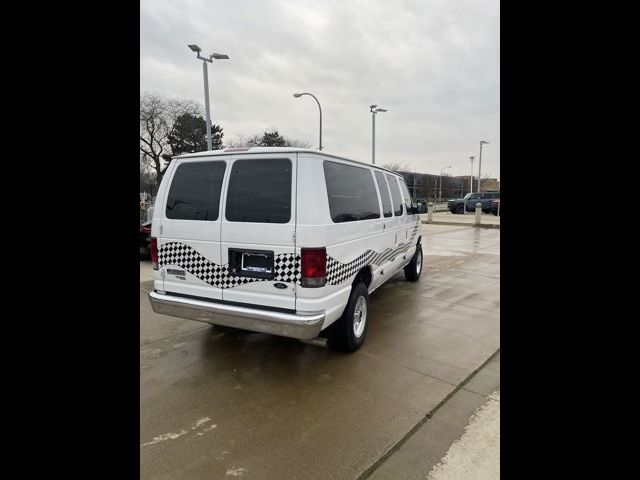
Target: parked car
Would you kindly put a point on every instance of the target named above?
(285, 241)
(145, 233)
(470, 199)
(495, 206)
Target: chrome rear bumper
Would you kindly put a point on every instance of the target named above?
(294, 325)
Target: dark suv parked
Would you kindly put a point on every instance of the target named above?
(485, 198)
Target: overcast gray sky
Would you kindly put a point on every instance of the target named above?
(434, 64)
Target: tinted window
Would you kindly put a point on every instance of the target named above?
(260, 191)
(384, 194)
(395, 195)
(405, 193)
(352, 194)
(195, 191)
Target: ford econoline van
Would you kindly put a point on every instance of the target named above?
(285, 241)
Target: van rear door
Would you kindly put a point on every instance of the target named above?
(258, 230)
(189, 238)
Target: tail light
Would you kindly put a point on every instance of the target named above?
(154, 253)
(314, 267)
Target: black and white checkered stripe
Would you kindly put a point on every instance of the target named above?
(338, 272)
(286, 266)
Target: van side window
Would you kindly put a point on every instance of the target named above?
(195, 191)
(395, 195)
(352, 194)
(405, 192)
(260, 191)
(384, 194)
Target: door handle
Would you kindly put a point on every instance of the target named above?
(384, 225)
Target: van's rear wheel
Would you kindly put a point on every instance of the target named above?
(348, 332)
(414, 268)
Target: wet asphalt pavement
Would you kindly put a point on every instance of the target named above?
(219, 404)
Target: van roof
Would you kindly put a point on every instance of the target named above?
(254, 150)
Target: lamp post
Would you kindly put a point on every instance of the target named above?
(374, 109)
(441, 172)
(482, 142)
(472, 158)
(205, 60)
(298, 95)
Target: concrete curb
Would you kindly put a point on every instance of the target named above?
(482, 225)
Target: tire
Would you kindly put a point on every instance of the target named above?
(413, 270)
(349, 331)
(460, 209)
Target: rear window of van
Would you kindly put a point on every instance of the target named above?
(260, 191)
(195, 191)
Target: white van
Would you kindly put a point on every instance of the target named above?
(285, 241)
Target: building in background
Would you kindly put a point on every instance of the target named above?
(426, 185)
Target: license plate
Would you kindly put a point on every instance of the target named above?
(256, 262)
(251, 263)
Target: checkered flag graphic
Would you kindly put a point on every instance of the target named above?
(338, 272)
(286, 266)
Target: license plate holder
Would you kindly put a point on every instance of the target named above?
(251, 263)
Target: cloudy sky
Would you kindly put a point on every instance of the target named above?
(434, 64)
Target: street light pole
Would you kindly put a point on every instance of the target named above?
(374, 109)
(441, 172)
(298, 95)
(472, 158)
(373, 138)
(205, 74)
(482, 142)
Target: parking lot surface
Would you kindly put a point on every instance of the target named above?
(223, 404)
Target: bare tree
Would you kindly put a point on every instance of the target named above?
(258, 140)
(292, 142)
(158, 116)
(245, 141)
(397, 166)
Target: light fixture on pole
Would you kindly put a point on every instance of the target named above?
(374, 109)
(205, 60)
(472, 158)
(298, 95)
(441, 172)
(482, 142)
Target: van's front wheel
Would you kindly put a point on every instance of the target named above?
(414, 268)
(348, 332)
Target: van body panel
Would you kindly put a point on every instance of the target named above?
(278, 238)
(158, 218)
(189, 250)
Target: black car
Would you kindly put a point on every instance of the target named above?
(470, 199)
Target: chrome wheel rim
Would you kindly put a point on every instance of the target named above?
(359, 317)
(419, 262)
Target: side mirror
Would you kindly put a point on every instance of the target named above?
(419, 208)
